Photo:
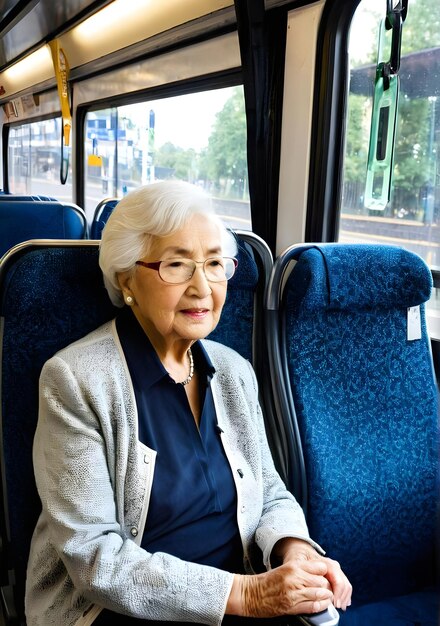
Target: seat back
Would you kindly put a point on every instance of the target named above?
(361, 395)
(20, 198)
(51, 295)
(24, 220)
(101, 215)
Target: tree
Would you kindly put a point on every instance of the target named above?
(356, 151)
(225, 160)
(413, 149)
(222, 163)
(177, 162)
(422, 28)
(357, 140)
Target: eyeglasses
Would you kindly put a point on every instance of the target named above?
(177, 271)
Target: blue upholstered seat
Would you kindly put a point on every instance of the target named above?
(362, 399)
(100, 217)
(245, 298)
(23, 220)
(51, 295)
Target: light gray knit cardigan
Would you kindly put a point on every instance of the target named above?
(94, 478)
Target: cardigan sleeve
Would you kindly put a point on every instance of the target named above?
(268, 512)
(82, 543)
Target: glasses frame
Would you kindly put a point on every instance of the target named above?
(155, 265)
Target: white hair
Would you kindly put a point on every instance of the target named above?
(155, 210)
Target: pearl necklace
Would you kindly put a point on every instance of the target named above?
(191, 369)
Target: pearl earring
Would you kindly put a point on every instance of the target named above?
(129, 300)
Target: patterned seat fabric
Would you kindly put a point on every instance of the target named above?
(236, 325)
(366, 408)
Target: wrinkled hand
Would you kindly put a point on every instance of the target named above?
(290, 589)
(337, 582)
(305, 582)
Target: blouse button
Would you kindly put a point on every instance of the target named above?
(146, 459)
(243, 508)
(134, 531)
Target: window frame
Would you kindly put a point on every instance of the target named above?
(328, 127)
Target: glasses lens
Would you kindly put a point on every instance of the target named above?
(176, 270)
(219, 268)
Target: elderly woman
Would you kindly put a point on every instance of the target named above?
(158, 489)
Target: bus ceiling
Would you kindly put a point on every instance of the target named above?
(90, 32)
(25, 24)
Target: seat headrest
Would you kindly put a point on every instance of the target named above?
(246, 276)
(359, 276)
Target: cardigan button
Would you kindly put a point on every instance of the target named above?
(243, 508)
(134, 531)
(146, 459)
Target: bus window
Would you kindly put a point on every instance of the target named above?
(198, 137)
(34, 154)
(412, 216)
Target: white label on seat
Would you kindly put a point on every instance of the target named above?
(414, 323)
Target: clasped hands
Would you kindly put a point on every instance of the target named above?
(305, 582)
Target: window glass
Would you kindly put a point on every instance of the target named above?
(34, 153)
(198, 137)
(412, 216)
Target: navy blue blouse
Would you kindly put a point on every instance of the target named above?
(193, 505)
